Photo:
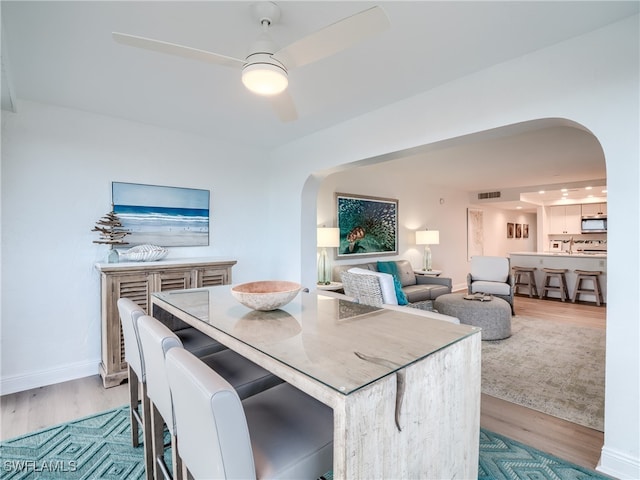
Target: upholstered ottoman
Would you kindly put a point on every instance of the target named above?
(494, 317)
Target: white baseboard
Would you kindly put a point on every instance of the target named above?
(19, 383)
(618, 465)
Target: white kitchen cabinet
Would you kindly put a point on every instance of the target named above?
(589, 209)
(565, 219)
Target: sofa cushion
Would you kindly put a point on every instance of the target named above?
(492, 269)
(422, 292)
(494, 288)
(338, 269)
(392, 269)
(386, 284)
(405, 272)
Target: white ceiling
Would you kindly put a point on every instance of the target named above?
(62, 53)
(518, 161)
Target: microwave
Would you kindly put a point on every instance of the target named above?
(595, 224)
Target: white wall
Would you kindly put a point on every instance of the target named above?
(425, 205)
(57, 169)
(591, 80)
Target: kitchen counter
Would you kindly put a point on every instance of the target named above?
(572, 262)
(562, 254)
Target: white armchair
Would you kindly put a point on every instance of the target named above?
(376, 289)
(364, 288)
(491, 275)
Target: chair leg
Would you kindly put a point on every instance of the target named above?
(176, 461)
(157, 443)
(545, 285)
(577, 288)
(159, 465)
(534, 286)
(148, 434)
(134, 398)
(599, 296)
(138, 394)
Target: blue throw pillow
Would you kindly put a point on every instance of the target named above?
(392, 268)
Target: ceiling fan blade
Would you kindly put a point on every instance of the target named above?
(179, 50)
(334, 38)
(284, 107)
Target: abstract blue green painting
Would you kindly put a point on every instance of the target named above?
(368, 225)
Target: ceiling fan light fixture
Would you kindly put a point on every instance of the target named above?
(265, 78)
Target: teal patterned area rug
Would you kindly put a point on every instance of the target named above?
(99, 447)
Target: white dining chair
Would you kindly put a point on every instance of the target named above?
(157, 339)
(192, 339)
(130, 312)
(276, 434)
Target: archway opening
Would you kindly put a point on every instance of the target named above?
(436, 184)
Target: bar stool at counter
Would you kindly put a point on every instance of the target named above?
(588, 275)
(559, 274)
(525, 277)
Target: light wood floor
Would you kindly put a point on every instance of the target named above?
(569, 441)
(31, 410)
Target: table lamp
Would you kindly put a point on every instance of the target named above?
(327, 238)
(426, 238)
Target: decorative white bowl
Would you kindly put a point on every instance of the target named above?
(266, 295)
(144, 253)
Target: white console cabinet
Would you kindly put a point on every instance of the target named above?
(137, 281)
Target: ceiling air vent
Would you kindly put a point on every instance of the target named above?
(484, 196)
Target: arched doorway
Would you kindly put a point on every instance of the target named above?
(549, 152)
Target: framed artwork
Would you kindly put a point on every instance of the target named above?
(525, 230)
(475, 232)
(368, 225)
(510, 230)
(164, 216)
(518, 230)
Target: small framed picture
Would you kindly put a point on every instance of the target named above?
(510, 228)
(525, 230)
(518, 230)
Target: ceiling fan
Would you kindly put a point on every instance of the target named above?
(266, 68)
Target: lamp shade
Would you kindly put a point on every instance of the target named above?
(328, 237)
(427, 237)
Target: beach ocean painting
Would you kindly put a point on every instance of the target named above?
(164, 216)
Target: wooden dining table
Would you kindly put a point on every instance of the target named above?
(404, 388)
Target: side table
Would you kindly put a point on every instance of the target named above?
(428, 273)
(333, 286)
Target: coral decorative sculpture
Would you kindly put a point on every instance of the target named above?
(111, 233)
